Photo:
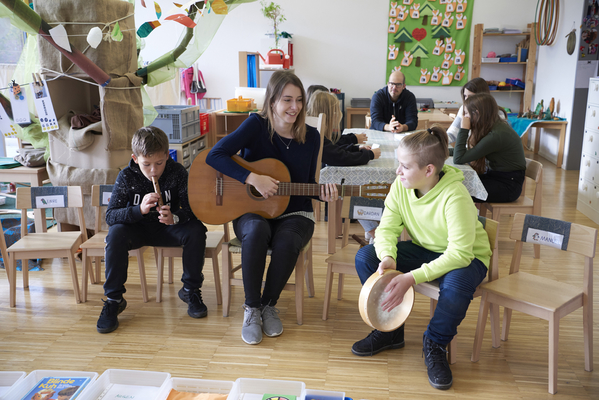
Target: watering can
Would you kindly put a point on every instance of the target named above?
(274, 56)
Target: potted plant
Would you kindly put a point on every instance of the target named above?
(273, 12)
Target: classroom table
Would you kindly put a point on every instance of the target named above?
(382, 170)
(426, 119)
(522, 127)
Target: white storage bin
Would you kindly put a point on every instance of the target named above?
(154, 381)
(255, 389)
(195, 386)
(8, 380)
(26, 384)
(312, 394)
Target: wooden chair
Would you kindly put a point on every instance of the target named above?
(342, 262)
(524, 204)
(214, 244)
(543, 297)
(303, 266)
(94, 247)
(4, 254)
(46, 244)
(317, 122)
(431, 289)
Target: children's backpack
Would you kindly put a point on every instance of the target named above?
(198, 86)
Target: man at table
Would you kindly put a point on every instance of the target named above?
(393, 108)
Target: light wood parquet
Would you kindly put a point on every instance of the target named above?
(47, 330)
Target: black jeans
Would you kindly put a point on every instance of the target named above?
(286, 237)
(502, 187)
(124, 237)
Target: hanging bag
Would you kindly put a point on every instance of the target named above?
(198, 86)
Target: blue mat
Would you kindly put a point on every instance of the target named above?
(521, 125)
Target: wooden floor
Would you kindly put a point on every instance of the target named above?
(47, 330)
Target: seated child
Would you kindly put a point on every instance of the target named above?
(448, 243)
(136, 220)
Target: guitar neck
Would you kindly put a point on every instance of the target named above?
(313, 189)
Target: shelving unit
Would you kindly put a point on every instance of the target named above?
(260, 79)
(528, 67)
(222, 123)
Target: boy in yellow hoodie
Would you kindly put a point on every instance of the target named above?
(448, 244)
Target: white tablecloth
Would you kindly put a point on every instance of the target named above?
(383, 169)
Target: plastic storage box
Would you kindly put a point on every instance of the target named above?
(131, 380)
(312, 394)
(180, 123)
(255, 389)
(508, 59)
(195, 386)
(360, 102)
(515, 82)
(8, 380)
(26, 384)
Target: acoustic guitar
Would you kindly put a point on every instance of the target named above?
(216, 198)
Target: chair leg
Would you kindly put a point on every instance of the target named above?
(328, 288)
(507, 319)
(216, 272)
(340, 283)
(90, 272)
(160, 278)
(73, 267)
(226, 281)
(12, 261)
(309, 272)
(452, 349)
(537, 250)
(98, 265)
(496, 342)
(84, 275)
(171, 267)
(483, 311)
(587, 323)
(299, 288)
(142, 274)
(25, 270)
(553, 352)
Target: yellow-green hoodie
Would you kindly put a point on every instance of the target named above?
(443, 221)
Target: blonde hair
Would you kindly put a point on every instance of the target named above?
(274, 90)
(328, 104)
(429, 147)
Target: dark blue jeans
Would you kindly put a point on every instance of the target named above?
(286, 237)
(124, 237)
(456, 287)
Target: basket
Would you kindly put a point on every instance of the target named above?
(180, 123)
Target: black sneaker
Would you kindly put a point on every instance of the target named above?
(378, 341)
(435, 358)
(108, 320)
(195, 306)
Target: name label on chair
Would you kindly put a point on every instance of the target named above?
(106, 198)
(51, 201)
(544, 237)
(370, 213)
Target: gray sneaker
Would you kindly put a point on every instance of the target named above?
(251, 331)
(271, 323)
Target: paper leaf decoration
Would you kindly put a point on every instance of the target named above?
(117, 35)
(143, 3)
(60, 37)
(146, 28)
(178, 5)
(94, 37)
(220, 7)
(158, 10)
(182, 19)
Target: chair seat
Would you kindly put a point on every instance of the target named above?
(46, 241)
(520, 202)
(95, 242)
(526, 288)
(346, 255)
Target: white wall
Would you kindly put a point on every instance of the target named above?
(337, 43)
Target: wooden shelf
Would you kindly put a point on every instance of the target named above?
(223, 123)
(529, 65)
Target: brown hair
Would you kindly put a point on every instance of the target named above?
(483, 111)
(274, 90)
(476, 85)
(314, 88)
(429, 147)
(149, 140)
(328, 104)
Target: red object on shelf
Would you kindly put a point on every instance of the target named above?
(275, 56)
(286, 61)
(290, 52)
(204, 125)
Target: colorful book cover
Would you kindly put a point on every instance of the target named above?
(278, 397)
(57, 388)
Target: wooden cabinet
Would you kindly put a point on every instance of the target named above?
(588, 180)
(508, 69)
(222, 123)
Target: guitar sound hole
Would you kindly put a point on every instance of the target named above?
(253, 192)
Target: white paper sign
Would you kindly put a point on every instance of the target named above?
(543, 237)
(106, 198)
(49, 201)
(18, 102)
(44, 107)
(7, 127)
(120, 391)
(371, 213)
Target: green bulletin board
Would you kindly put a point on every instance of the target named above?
(429, 41)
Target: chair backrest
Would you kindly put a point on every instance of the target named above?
(534, 171)
(351, 208)
(318, 123)
(50, 197)
(492, 227)
(100, 198)
(554, 233)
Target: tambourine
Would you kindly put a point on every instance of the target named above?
(373, 295)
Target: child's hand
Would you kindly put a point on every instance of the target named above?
(377, 152)
(361, 137)
(329, 192)
(396, 290)
(465, 124)
(386, 263)
(166, 217)
(149, 201)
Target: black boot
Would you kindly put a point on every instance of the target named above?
(378, 341)
(435, 358)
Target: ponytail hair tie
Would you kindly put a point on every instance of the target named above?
(430, 131)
